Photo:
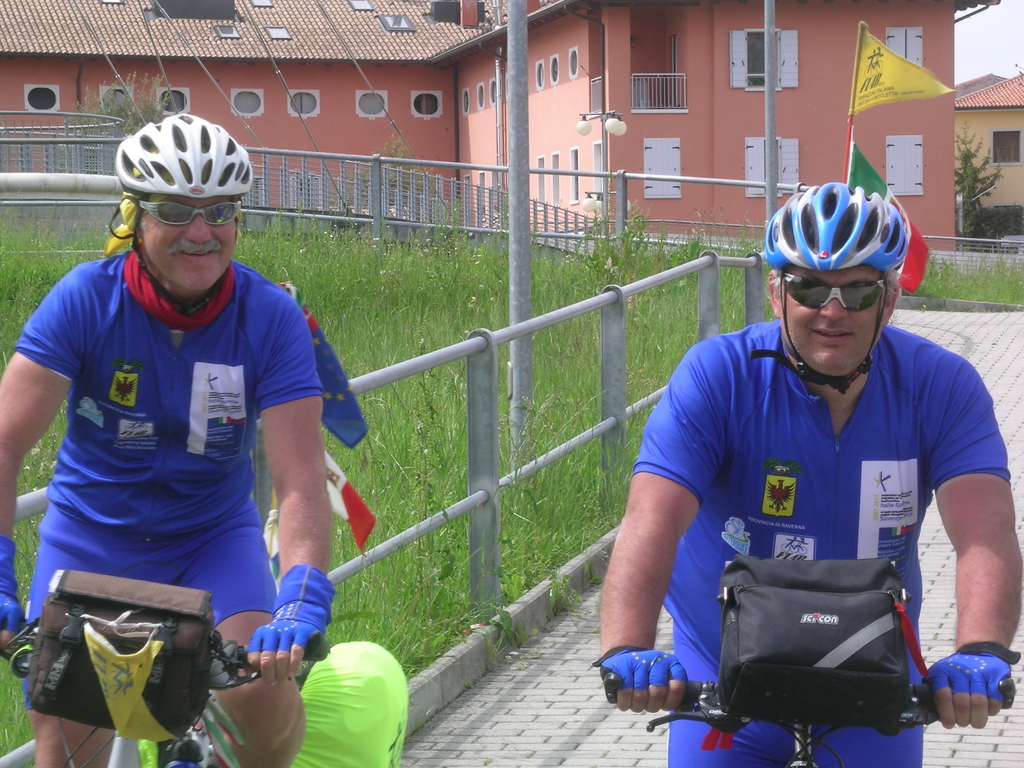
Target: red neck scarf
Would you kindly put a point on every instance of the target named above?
(140, 286)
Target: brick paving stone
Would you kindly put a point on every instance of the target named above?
(545, 706)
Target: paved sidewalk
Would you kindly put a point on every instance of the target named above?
(544, 706)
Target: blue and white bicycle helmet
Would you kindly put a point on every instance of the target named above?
(835, 227)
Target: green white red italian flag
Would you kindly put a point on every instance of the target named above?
(862, 174)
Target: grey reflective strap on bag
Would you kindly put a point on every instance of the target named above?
(846, 649)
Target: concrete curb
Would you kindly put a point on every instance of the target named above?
(443, 681)
(954, 305)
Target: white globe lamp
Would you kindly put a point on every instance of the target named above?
(614, 126)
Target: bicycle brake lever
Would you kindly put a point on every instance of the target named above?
(1009, 690)
(317, 648)
(612, 682)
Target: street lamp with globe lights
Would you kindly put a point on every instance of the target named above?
(611, 123)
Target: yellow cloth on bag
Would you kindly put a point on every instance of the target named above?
(123, 678)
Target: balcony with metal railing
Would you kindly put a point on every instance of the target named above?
(658, 92)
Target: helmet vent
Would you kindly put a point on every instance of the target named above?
(179, 139)
(149, 145)
(844, 230)
(129, 168)
(786, 233)
(207, 172)
(231, 148)
(243, 175)
(144, 166)
(810, 228)
(830, 203)
(892, 238)
(186, 172)
(204, 140)
(870, 229)
(225, 175)
(163, 173)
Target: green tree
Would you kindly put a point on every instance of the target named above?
(145, 105)
(973, 179)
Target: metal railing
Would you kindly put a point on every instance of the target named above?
(658, 92)
(483, 408)
(58, 157)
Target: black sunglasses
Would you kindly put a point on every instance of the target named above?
(178, 214)
(815, 294)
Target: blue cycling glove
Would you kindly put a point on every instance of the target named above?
(640, 669)
(11, 615)
(975, 668)
(302, 608)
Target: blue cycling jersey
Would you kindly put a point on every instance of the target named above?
(159, 434)
(760, 454)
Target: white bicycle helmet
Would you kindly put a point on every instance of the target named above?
(183, 155)
(835, 227)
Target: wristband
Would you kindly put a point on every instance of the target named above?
(616, 651)
(998, 650)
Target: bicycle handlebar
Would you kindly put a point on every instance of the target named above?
(702, 703)
(229, 660)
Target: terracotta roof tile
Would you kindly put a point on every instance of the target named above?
(92, 28)
(1004, 95)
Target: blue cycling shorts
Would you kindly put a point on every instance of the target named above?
(762, 745)
(229, 560)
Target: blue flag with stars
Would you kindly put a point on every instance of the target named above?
(342, 415)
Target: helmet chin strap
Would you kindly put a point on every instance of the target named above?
(804, 371)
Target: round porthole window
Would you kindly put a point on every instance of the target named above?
(42, 98)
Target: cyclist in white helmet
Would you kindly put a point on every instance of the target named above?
(167, 353)
(794, 429)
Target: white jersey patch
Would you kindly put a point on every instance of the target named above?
(888, 507)
(217, 410)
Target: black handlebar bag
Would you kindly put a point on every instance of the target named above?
(814, 642)
(128, 614)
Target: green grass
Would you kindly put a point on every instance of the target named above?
(382, 306)
(1000, 281)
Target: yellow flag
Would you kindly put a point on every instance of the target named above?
(882, 77)
(123, 678)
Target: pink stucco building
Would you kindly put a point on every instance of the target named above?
(686, 78)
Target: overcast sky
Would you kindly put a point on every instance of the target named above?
(992, 42)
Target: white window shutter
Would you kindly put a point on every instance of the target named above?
(788, 59)
(789, 161)
(754, 162)
(661, 158)
(737, 58)
(904, 165)
(915, 45)
(896, 40)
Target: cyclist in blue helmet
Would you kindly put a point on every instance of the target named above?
(831, 228)
(829, 426)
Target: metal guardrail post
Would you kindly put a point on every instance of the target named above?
(483, 470)
(753, 291)
(613, 386)
(376, 198)
(621, 202)
(708, 298)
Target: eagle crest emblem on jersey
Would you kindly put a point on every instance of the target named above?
(779, 496)
(125, 386)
